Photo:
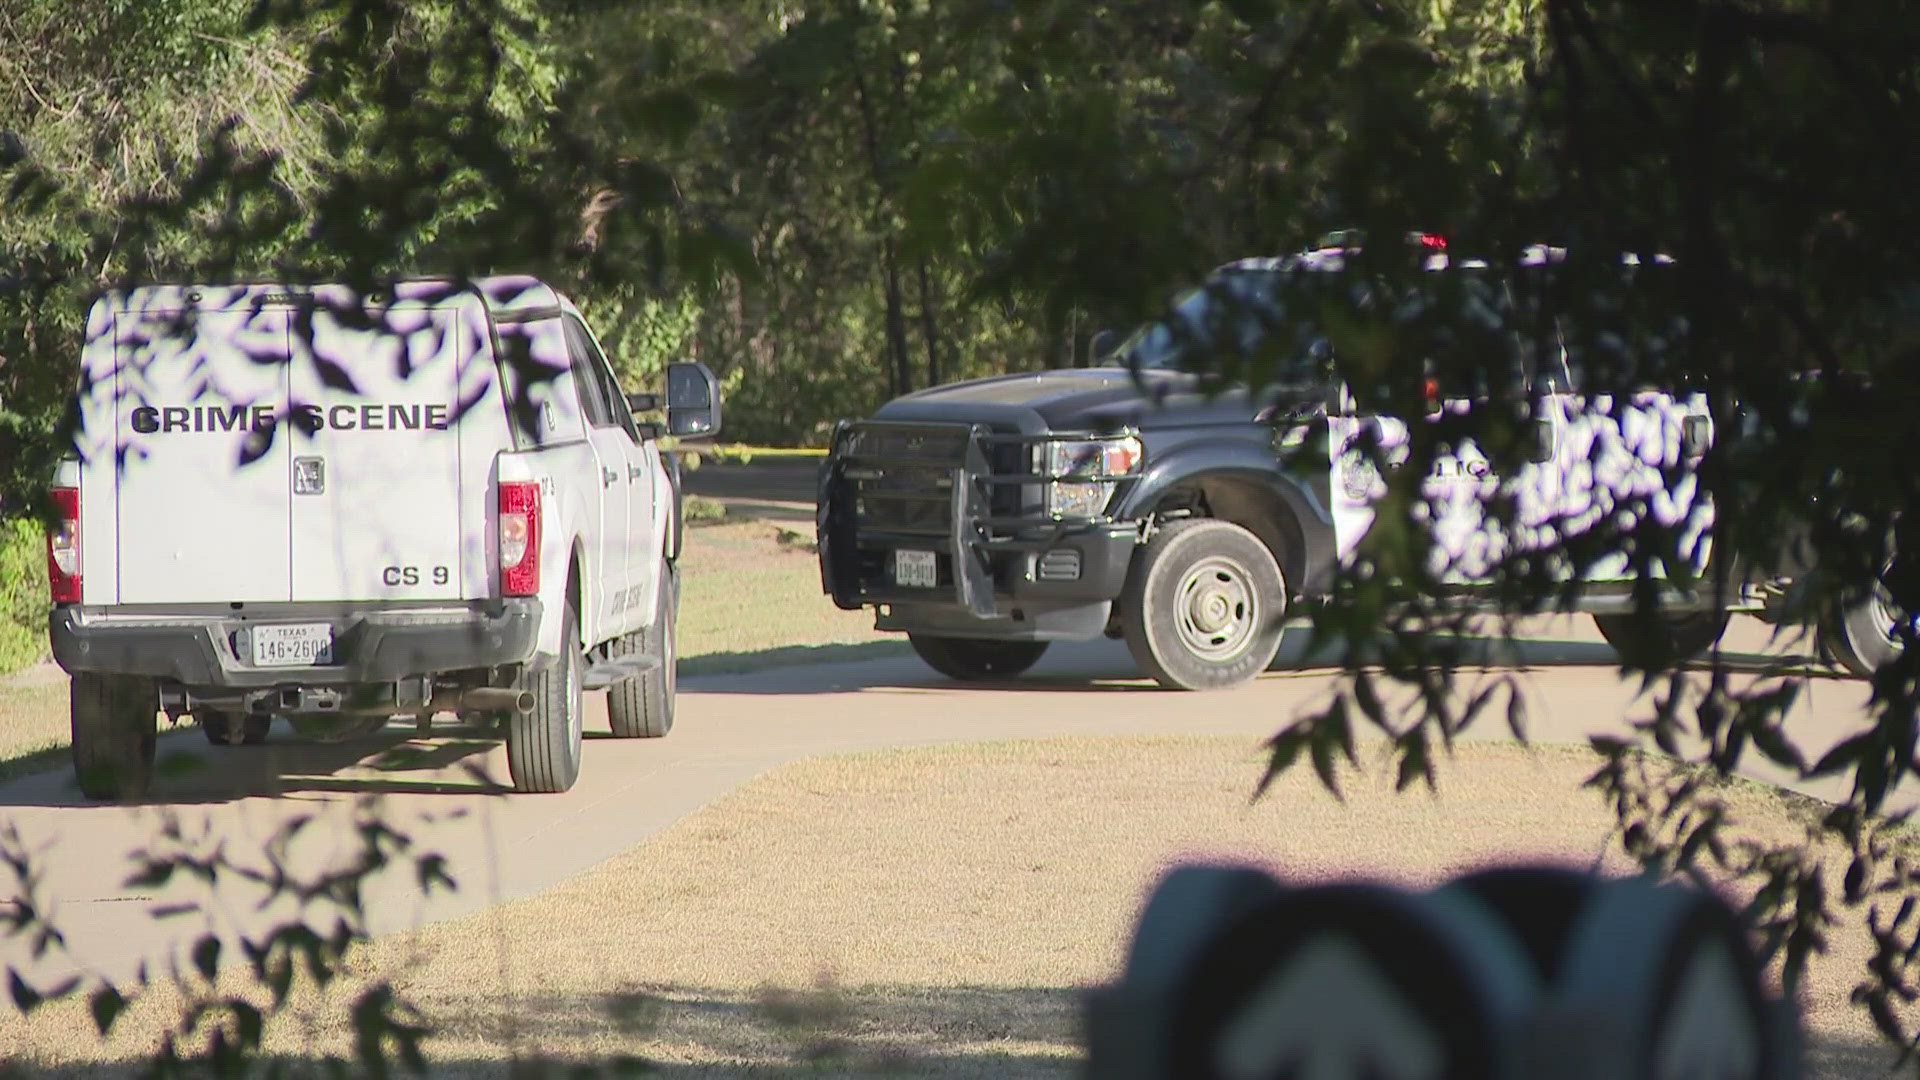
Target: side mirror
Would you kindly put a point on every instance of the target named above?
(643, 402)
(693, 401)
(1102, 345)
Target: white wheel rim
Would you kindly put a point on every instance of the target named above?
(1216, 609)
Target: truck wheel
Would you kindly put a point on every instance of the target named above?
(642, 707)
(972, 659)
(1203, 605)
(1667, 639)
(230, 729)
(543, 746)
(1860, 636)
(114, 734)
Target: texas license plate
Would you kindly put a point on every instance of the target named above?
(292, 645)
(915, 569)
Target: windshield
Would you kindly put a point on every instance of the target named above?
(1234, 315)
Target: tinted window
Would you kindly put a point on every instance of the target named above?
(1235, 315)
(600, 396)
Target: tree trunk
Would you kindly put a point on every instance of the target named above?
(902, 372)
(928, 326)
(899, 371)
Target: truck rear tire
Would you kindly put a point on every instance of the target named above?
(232, 729)
(1203, 605)
(973, 659)
(543, 746)
(642, 707)
(1670, 638)
(115, 734)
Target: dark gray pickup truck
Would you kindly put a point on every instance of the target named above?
(989, 518)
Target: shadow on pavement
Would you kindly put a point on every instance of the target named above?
(739, 663)
(1105, 666)
(190, 771)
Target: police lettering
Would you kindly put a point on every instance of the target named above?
(149, 420)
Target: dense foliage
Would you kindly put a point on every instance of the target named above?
(834, 202)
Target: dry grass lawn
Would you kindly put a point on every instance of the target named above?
(938, 911)
(748, 600)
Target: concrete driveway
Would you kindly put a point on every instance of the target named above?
(730, 728)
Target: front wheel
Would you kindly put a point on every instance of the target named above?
(115, 734)
(1662, 639)
(973, 659)
(1203, 605)
(543, 746)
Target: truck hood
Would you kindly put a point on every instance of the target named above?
(1077, 398)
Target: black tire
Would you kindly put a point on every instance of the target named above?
(1203, 605)
(115, 733)
(1859, 635)
(231, 729)
(543, 746)
(1663, 640)
(642, 707)
(974, 659)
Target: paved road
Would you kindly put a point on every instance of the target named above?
(730, 728)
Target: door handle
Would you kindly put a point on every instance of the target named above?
(635, 472)
(607, 477)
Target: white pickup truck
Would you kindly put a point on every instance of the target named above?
(342, 509)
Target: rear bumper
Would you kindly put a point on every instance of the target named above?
(368, 647)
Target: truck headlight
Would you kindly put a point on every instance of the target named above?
(1089, 468)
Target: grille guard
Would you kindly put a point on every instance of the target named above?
(974, 530)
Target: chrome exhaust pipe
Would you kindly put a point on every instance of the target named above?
(497, 699)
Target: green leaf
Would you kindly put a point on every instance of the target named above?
(248, 1023)
(152, 876)
(106, 1005)
(432, 872)
(1283, 750)
(1855, 882)
(206, 957)
(1771, 740)
(1321, 752)
(1415, 762)
(1844, 755)
(25, 997)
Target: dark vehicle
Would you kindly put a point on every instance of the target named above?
(989, 518)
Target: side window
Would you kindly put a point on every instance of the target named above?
(586, 379)
(537, 363)
(591, 370)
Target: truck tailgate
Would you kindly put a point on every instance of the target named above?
(376, 505)
(273, 457)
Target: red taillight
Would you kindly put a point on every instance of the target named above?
(1435, 242)
(63, 547)
(519, 537)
